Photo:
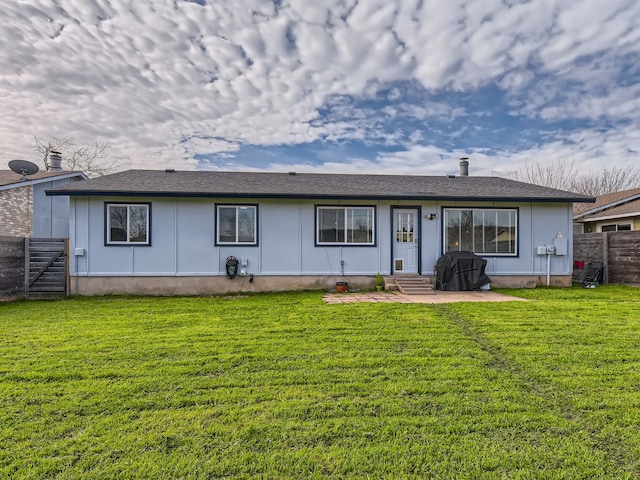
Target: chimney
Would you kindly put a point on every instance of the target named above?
(464, 167)
(55, 161)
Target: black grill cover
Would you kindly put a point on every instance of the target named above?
(460, 271)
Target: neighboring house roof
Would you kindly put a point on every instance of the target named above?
(169, 183)
(625, 203)
(10, 179)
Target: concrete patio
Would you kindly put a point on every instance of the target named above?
(437, 296)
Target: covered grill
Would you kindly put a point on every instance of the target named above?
(459, 271)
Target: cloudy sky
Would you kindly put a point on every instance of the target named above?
(376, 86)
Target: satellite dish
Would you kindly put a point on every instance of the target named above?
(23, 167)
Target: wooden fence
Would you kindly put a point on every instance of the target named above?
(43, 259)
(47, 259)
(11, 267)
(619, 251)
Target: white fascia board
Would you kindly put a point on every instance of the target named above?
(28, 182)
(606, 206)
(612, 217)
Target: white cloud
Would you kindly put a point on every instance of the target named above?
(590, 149)
(164, 81)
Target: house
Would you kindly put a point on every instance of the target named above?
(612, 212)
(178, 232)
(25, 209)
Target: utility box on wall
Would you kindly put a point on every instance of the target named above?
(562, 246)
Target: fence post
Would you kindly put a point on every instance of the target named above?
(26, 267)
(605, 257)
(67, 282)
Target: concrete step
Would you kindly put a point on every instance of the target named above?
(390, 284)
(414, 285)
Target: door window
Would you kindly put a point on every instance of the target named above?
(405, 228)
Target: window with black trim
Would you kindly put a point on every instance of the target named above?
(481, 231)
(345, 225)
(127, 223)
(616, 227)
(236, 224)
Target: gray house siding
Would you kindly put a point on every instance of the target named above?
(183, 240)
(50, 214)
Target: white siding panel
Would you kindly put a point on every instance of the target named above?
(78, 237)
(360, 260)
(280, 240)
(42, 211)
(160, 257)
(50, 214)
(383, 239)
(196, 250)
(59, 216)
(321, 260)
(547, 221)
(431, 240)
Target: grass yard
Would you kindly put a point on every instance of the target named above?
(285, 386)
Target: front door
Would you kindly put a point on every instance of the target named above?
(405, 240)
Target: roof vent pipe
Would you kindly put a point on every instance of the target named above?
(464, 167)
(55, 161)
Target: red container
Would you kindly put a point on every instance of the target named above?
(342, 287)
(578, 264)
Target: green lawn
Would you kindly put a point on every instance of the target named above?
(285, 386)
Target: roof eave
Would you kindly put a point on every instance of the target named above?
(106, 193)
(607, 206)
(606, 218)
(36, 181)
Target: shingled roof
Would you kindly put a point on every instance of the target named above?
(622, 203)
(10, 179)
(169, 183)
